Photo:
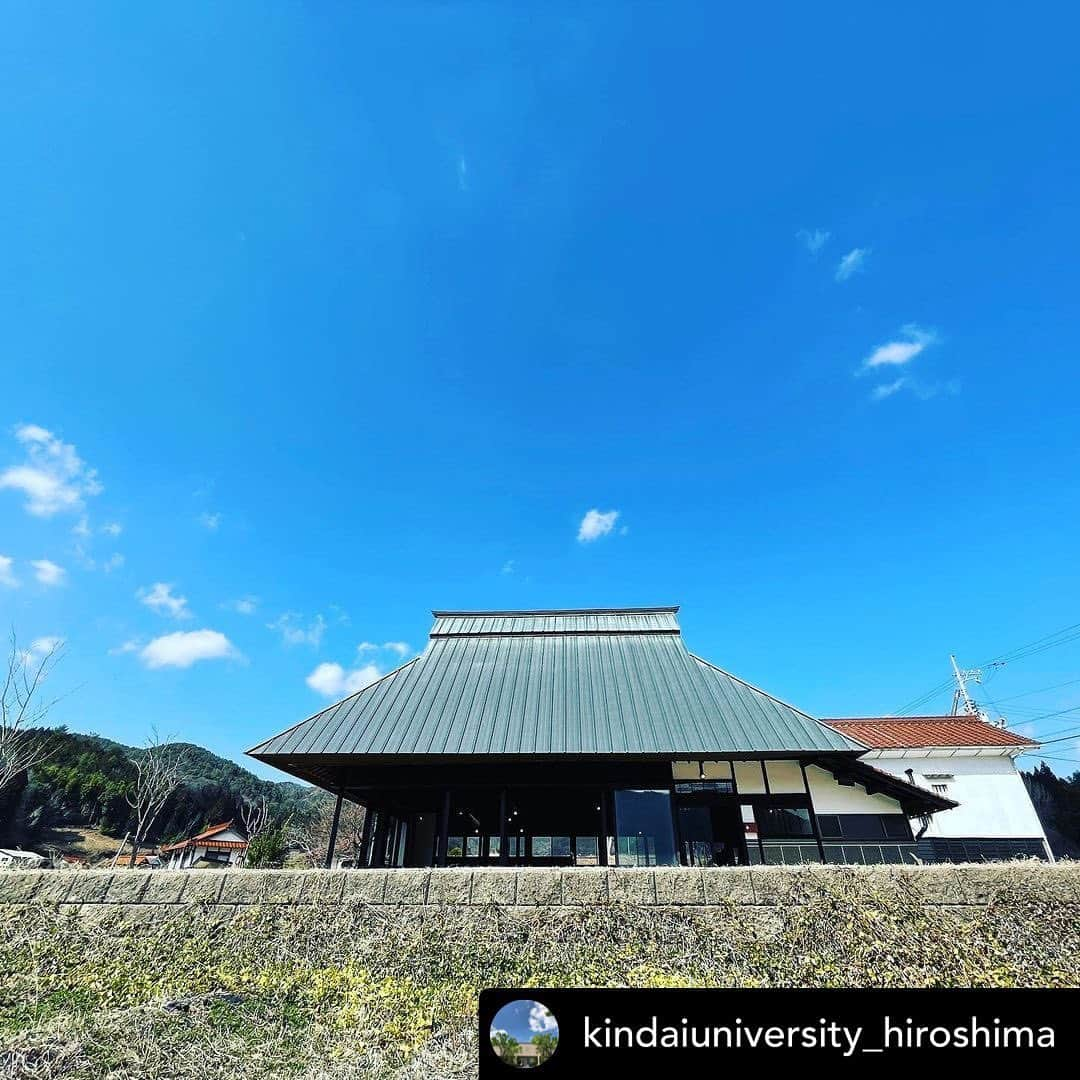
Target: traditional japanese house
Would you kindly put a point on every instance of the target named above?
(589, 737)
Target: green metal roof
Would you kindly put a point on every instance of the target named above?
(583, 682)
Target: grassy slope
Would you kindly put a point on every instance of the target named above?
(364, 992)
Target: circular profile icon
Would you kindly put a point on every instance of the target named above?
(524, 1034)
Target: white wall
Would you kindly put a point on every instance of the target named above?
(829, 797)
(992, 797)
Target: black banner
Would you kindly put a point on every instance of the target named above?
(575, 1032)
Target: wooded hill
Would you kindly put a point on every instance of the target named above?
(83, 781)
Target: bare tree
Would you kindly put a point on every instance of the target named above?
(159, 769)
(255, 815)
(311, 832)
(22, 709)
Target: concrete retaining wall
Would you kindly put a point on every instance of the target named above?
(743, 886)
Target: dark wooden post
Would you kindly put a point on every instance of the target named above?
(378, 842)
(603, 827)
(504, 830)
(813, 812)
(363, 856)
(333, 833)
(444, 828)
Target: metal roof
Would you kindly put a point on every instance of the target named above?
(582, 682)
(912, 732)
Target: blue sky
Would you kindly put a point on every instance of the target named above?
(525, 1019)
(315, 318)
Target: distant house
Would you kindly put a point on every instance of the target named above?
(221, 845)
(17, 859)
(965, 759)
(149, 860)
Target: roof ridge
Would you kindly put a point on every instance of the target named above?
(499, 613)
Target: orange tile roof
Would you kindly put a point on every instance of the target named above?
(911, 732)
(206, 839)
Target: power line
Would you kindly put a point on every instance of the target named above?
(1021, 652)
(1041, 690)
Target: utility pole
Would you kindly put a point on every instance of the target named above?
(961, 695)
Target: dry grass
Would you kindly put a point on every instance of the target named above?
(337, 993)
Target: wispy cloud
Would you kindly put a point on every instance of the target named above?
(112, 528)
(113, 562)
(595, 524)
(7, 572)
(851, 263)
(161, 598)
(48, 573)
(184, 648)
(913, 340)
(880, 393)
(400, 648)
(293, 632)
(53, 479)
(210, 522)
(334, 681)
(507, 567)
(246, 605)
(813, 239)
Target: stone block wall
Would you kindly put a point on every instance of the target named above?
(758, 887)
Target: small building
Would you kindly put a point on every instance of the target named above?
(17, 859)
(526, 1056)
(219, 846)
(966, 759)
(591, 737)
(147, 860)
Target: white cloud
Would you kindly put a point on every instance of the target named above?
(7, 574)
(246, 605)
(333, 681)
(292, 633)
(112, 529)
(184, 648)
(596, 524)
(130, 646)
(43, 645)
(210, 522)
(113, 562)
(507, 567)
(540, 1018)
(83, 527)
(402, 648)
(48, 573)
(53, 478)
(164, 601)
(880, 393)
(814, 239)
(851, 263)
(914, 339)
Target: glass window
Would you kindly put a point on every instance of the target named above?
(455, 847)
(472, 847)
(643, 823)
(588, 850)
(829, 824)
(494, 846)
(541, 847)
(896, 826)
(560, 846)
(783, 821)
